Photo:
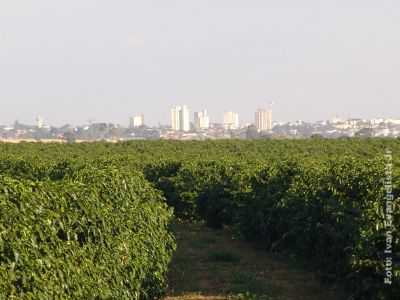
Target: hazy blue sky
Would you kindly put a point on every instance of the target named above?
(75, 60)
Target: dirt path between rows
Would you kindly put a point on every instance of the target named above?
(210, 264)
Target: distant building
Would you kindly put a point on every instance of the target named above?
(394, 121)
(180, 119)
(201, 120)
(136, 121)
(231, 120)
(263, 120)
(336, 120)
(39, 122)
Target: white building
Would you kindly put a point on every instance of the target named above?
(231, 120)
(394, 121)
(263, 120)
(201, 120)
(136, 121)
(39, 122)
(180, 119)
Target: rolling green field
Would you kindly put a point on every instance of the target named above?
(272, 219)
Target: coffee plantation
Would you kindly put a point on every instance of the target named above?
(91, 221)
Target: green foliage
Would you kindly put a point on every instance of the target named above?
(319, 199)
(100, 233)
(328, 208)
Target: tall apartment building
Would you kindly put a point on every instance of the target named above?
(201, 120)
(263, 120)
(39, 122)
(231, 120)
(136, 121)
(180, 119)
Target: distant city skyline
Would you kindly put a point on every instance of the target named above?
(313, 59)
(139, 118)
(199, 128)
(123, 117)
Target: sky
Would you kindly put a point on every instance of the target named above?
(100, 60)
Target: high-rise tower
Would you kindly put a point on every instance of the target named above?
(231, 120)
(263, 120)
(180, 119)
(201, 120)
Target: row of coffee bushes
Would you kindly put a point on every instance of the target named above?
(193, 188)
(330, 212)
(95, 233)
(245, 150)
